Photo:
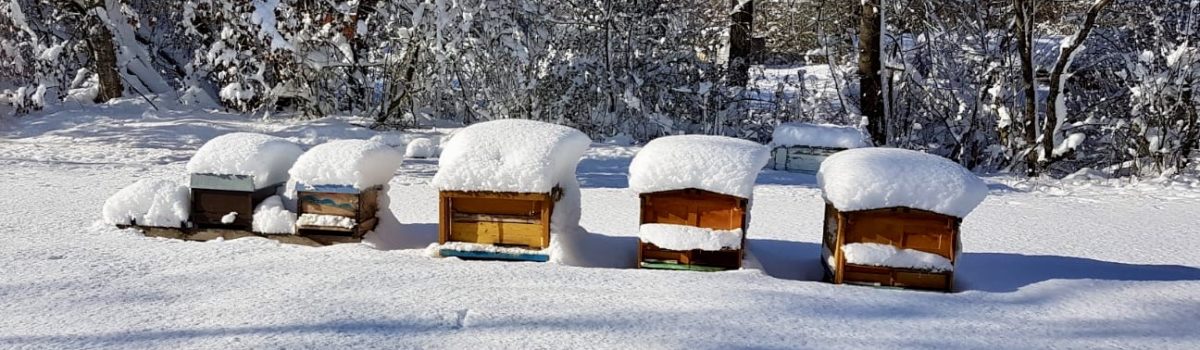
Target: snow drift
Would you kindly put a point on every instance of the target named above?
(875, 254)
(683, 237)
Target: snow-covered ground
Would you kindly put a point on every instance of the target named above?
(1046, 263)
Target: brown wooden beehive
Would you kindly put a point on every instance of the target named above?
(699, 208)
(496, 218)
(903, 228)
(343, 201)
(214, 196)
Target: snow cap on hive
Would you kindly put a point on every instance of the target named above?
(876, 178)
(817, 135)
(712, 163)
(510, 155)
(157, 203)
(264, 157)
(359, 163)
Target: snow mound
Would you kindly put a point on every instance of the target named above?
(875, 254)
(817, 135)
(713, 163)
(875, 178)
(510, 155)
(229, 218)
(682, 237)
(359, 163)
(271, 217)
(158, 203)
(308, 219)
(420, 148)
(266, 158)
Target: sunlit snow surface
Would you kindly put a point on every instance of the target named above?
(1046, 263)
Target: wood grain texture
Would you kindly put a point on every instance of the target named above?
(903, 228)
(693, 207)
(500, 218)
(363, 207)
(209, 206)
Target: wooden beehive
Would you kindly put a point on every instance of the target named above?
(804, 159)
(214, 196)
(338, 200)
(693, 207)
(900, 227)
(496, 218)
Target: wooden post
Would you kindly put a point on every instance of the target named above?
(839, 256)
(444, 220)
(547, 210)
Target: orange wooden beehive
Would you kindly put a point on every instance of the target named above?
(903, 228)
(698, 208)
(500, 184)
(497, 218)
(695, 195)
(892, 217)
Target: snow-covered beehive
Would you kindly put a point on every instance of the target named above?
(695, 195)
(508, 182)
(892, 216)
(148, 203)
(801, 147)
(232, 173)
(341, 185)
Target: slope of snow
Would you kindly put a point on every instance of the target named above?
(359, 163)
(682, 237)
(817, 135)
(1097, 263)
(266, 158)
(874, 178)
(713, 163)
(510, 155)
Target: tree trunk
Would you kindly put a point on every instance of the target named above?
(1024, 28)
(1054, 121)
(740, 43)
(870, 70)
(104, 57)
(1186, 109)
(358, 47)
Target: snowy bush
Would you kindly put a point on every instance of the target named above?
(420, 148)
